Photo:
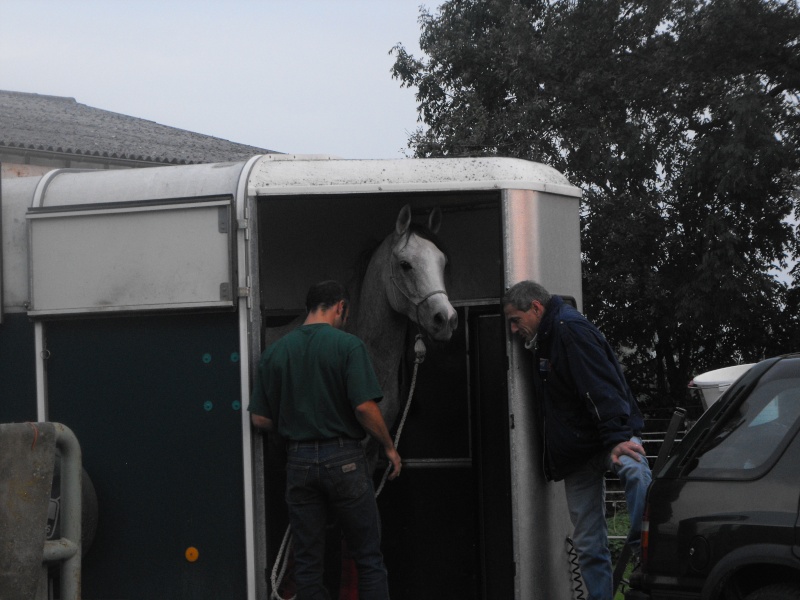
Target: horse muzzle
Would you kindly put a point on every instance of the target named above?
(442, 321)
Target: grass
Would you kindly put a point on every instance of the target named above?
(618, 525)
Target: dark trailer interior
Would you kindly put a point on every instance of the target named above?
(447, 520)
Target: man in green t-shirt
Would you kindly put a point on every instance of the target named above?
(316, 387)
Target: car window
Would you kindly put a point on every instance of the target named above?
(755, 430)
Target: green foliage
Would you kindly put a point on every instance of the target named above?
(679, 120)
(619, 524)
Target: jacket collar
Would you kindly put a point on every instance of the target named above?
(550, 311)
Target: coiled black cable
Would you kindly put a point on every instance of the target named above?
(577, 582)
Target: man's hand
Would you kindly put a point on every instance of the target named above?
(628, 448)
(262, 423)
(369, 415)
(397, 464)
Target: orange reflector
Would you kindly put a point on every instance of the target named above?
(192, 554)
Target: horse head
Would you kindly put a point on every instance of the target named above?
(415, 276)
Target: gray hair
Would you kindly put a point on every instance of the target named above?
(520, 295)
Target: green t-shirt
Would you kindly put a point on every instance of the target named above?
(310, 381)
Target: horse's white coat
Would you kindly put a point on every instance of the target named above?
(403, 272)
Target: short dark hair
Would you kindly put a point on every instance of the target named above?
(325, 294)
(520, 295)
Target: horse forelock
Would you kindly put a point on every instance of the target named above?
(423, 232)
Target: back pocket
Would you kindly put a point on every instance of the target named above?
(349, 478)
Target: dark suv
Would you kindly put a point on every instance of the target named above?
(723, 516)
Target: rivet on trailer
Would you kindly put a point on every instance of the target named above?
(136, 304)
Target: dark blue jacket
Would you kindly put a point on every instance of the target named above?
(586, 404)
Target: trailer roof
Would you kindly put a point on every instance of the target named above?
(273, 174)
(71, 188)
(286, 174)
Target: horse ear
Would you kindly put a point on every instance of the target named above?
(403, 220)
(435, 220)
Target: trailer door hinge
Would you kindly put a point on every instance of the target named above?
(225, 292)
(243, 225)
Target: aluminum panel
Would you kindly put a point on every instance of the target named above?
(542, 241)
(130, 259)
(541, 234)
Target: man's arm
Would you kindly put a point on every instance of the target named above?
(603, 388)
(599, 382)
(260, 422)
(369, 415)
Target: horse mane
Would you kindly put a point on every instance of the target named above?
(360, 269)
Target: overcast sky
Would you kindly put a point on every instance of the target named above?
(298, 76)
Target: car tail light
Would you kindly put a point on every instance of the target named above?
(645, 541)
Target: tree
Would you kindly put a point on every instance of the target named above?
(678, 119)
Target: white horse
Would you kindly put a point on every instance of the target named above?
(403, 282)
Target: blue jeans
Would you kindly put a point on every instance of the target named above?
(585, 491)
(325, 478)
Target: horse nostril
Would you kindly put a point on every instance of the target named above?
(445, 320)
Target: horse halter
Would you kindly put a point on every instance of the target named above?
(416, 303)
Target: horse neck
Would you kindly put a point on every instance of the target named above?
(382, 329)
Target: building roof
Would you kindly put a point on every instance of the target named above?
(56, 125)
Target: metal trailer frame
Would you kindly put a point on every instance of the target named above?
(541, 241)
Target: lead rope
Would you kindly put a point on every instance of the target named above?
(281, 561)
(419, 356)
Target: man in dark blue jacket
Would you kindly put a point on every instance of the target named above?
(591, 422)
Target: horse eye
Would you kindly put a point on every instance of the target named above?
(405, 265)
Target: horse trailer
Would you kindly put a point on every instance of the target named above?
(136, 304)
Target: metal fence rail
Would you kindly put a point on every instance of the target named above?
(67, 549)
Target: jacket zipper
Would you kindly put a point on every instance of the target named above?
(594, 406)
